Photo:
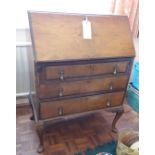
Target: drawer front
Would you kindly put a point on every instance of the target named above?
(78, 105)
(61, 89)
(72, 71)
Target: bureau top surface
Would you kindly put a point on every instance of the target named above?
(57, 37)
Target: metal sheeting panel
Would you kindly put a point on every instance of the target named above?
(22, 70)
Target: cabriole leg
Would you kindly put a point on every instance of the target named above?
(39, 129)
(116, 118)
(30, 102)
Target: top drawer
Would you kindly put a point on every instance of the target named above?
(82, 70)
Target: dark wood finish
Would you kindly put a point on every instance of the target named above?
(59, 37)
(87, 86)
(39, 129)
(117, 117)
(70, 71)
(82, 104)
(33, 100)
(71, 136)
(76, 76)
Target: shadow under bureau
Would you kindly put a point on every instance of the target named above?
(72, 75)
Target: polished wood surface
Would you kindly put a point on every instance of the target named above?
(71, 136)
(116, 118)
(81, 104)
(82, 70)
(76, 76)
(88, 86)
(59, 37)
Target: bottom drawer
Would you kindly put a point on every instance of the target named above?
(81, 104)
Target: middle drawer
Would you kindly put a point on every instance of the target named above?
(87, 86)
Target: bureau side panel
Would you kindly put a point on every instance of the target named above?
(33, 81)
(129, 74)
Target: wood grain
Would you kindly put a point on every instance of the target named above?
(79, 105)
(59, 37)
(71, 136)
(80, 87)
(83, 70)
(62, 55)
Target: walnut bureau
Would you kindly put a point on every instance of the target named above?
(72, 75)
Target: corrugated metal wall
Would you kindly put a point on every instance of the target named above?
(22, 70)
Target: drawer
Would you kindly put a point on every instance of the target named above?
(72, 71)
(89, 86)
(77, 105)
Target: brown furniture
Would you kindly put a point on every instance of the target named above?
(73, 76)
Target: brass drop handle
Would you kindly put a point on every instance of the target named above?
(60, 111)
(115, 71)
(61, 75)
(108, 104)
(60, 92)
(111, 87)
